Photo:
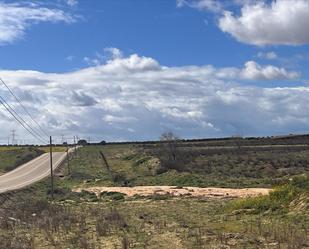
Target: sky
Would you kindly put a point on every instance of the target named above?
(129, 70)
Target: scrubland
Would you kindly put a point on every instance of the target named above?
(29, 218)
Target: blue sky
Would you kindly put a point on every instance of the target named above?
(175, 36)
(158, 29)
(201, 68)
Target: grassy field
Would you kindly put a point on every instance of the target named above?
(12, 157)
(8, 148)
(83, 220)
(133, 165)
(46, 149)
(29, 219)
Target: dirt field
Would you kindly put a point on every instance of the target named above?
(185, 191)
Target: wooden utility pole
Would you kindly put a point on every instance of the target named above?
(51, 166)
(68, 160)
(105, 162)
(75, 146)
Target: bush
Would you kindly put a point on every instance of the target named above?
(88, 196)
(277, 200)
(113, 217)
(63, 194)
(130, 157)
(25, 157)
(161, 170)
(120, 178)
(116, 196)
(141, 161)
(301, 182)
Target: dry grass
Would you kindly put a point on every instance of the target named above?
(55, 149)
(143, 223)
(12, 157)
(8, 148)
(84, 220)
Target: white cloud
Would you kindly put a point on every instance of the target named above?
(70, 58)
(133, 63)
(281, 22)
(110, 119)
(254, 71)
(114, 52)
(136, 93)
(71, 2)
(16, 18)
(92, 61)
(211, 5)
(267, 55)
(109, 54)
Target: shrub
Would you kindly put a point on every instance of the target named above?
(277, 200)
(113, 217)
(120, 178)
(25, 157)
(141, 161)
(116, 196)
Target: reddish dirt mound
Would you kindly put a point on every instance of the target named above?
(185, 191)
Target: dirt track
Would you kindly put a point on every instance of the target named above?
(220, 193)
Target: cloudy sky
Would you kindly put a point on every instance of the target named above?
(123, 70)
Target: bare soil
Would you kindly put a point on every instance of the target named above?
(219, 193)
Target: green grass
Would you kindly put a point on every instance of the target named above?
(7, 148)
(87, 221)
(46, 149)
(12, 157)
(133, 165)
(30, 219)
(282, 199)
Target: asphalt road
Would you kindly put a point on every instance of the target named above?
(30, 172)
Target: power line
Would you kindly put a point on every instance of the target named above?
(13, 136)
(24, 108)
(12, 109)
(17, 118)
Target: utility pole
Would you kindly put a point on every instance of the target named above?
(74, 147)
(13, 136)
(51, 167)
(77, 139)
(68, 160)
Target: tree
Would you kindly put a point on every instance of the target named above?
(168, 136)
(170, 154)
(82, 142)
(170, 140)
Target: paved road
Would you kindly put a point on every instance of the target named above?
(30, 172)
